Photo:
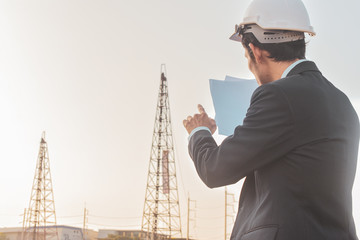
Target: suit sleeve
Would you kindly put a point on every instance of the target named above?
(265, 136)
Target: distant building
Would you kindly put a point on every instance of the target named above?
(106, 234)
(64, 233)
(11, 233)
(74, 233)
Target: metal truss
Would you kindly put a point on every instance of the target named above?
(40, 222)
(161, 215)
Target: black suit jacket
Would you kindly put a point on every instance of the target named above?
(298, 150)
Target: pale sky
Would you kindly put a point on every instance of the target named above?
(88, 72)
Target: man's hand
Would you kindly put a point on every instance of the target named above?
(199, 120)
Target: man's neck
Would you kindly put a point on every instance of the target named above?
(278, 69)
(274, 70)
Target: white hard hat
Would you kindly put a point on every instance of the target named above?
(288, 15)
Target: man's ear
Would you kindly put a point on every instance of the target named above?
(257, 52)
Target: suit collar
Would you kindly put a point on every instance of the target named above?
(303, 67)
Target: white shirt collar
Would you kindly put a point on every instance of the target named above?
(289, 68)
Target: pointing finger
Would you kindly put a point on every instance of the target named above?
(201, 108)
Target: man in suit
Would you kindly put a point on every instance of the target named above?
(298, 144)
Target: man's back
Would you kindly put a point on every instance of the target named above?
(298, 149)
(309, 188)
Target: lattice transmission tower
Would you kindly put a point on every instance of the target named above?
(40, 223)
(161, 215)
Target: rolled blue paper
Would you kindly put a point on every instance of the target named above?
(231, 99)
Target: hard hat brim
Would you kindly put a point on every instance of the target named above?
(238, 37)
(309, 29)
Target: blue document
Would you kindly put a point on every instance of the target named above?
(231, 99)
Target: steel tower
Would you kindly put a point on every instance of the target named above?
(40, 223)
(161, 215)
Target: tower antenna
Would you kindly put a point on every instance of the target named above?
(161, 215)
(40, 223)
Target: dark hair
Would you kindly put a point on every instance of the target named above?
(286, 51)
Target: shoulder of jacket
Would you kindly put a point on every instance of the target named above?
(271, 92)
(269, 89)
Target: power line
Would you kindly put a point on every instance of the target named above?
(72, 223)
(217, 217)
(209, 208)
(108, 217)
(211, 228)
(74, 216)
(116, 226)
(11, 215)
